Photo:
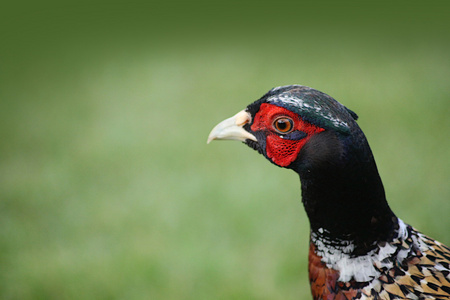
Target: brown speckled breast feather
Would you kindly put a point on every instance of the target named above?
(423, 274)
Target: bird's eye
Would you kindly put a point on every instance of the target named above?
(283, 125)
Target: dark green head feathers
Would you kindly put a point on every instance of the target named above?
(314, 106)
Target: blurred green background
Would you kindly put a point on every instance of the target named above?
(108, 189)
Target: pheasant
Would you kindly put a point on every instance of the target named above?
(359, 249)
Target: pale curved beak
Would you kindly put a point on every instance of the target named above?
(232, 128)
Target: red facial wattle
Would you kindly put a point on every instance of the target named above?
(279, 148)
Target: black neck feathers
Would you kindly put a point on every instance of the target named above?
(342, 191)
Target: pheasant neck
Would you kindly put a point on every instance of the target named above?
(345, 201)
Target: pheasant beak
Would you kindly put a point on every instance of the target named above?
(232, 128)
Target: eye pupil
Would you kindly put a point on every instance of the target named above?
(283, 125)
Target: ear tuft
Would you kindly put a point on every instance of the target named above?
(352, 113)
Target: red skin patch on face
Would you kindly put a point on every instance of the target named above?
(282, 151)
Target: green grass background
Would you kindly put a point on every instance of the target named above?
(108, 189)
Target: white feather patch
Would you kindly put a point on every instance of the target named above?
(362, 268)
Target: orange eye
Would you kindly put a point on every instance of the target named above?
(283, 125)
